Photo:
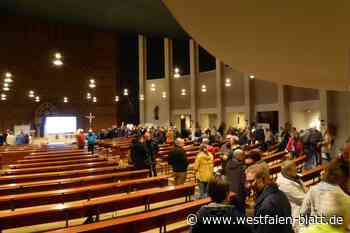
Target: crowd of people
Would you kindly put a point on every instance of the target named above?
(8, 138)
(243, 172)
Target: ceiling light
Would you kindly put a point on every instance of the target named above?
(92, 85)
(6, 84)
(116, 99)
(57, 62)
(58, 56)
(31, 94)
(8, 75)
(6, 88)
(126, 92)
(37, 99)
(3, 95)
(92, 80)
(153, 87)
(65, 100)
(163, 94)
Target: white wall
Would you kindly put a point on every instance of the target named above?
(153, 99)
(304, 114)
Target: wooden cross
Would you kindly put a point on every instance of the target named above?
(90, 117)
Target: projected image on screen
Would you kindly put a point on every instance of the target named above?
(60, 125)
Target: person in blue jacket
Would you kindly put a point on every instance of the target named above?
(91, 141)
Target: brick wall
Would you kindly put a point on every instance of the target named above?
(27, 48)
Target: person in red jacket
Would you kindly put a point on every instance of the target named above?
(80, 137)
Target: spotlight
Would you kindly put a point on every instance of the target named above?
(57, 62)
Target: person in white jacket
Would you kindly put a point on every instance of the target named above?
(293, 187)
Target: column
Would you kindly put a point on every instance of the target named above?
(219, 91)
(168, 67)
(142, 75)
(324, 111)
(283, 105)
(249, 100)
(194, 67)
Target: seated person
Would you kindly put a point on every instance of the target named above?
(218, 191)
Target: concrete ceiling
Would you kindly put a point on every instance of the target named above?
(150, 17)
(295, 42)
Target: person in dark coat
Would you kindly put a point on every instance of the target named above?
(235, 177)
(138, 153)
(152, 150)
(178, 160)
(218, 191)
(270, 201)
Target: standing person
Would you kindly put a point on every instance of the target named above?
(80, 139)
(152, 150)
(170, 136)
(293, 187)
(235, 177)
(20, 139)
(312, 138)
(270, 201)
(204, 168)
(268, 138)
(2, 140)
(338, 206)
(336, 173)
(178, 160)
(91, 141)
(10, 139)
(327, 143)
(218, 191)
(138, 153)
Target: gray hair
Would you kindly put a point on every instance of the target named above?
(260, 170)
(286, 165)
(179, 141)
(238, 152)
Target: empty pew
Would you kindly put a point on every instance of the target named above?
(275, 157)
(72, 194)
(56, 155)
(63, 174)
(141, 222)
(59, 212)
(58, 168)
(57, 159)
(118, 175)
(55, 163)
(57, 152)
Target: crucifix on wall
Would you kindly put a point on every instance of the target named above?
(91, 118)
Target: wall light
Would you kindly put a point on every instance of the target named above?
(183, 92)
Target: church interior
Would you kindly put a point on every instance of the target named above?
(173, 116)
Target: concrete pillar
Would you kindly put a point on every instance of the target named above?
(194, 67)
(142, 75)
(168, 67)
(283, 105)
(219, 91)
(249, 100)
(324, 109)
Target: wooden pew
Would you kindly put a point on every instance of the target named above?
(55, 155)
(312, 174)
(27, 187)
(55, 163)
(275, 157)
(73, 194)
(58, 168)
(277, 168)
(141, 222)
(57, 152)
(57, 159)
(58, 212)
(55, 175)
